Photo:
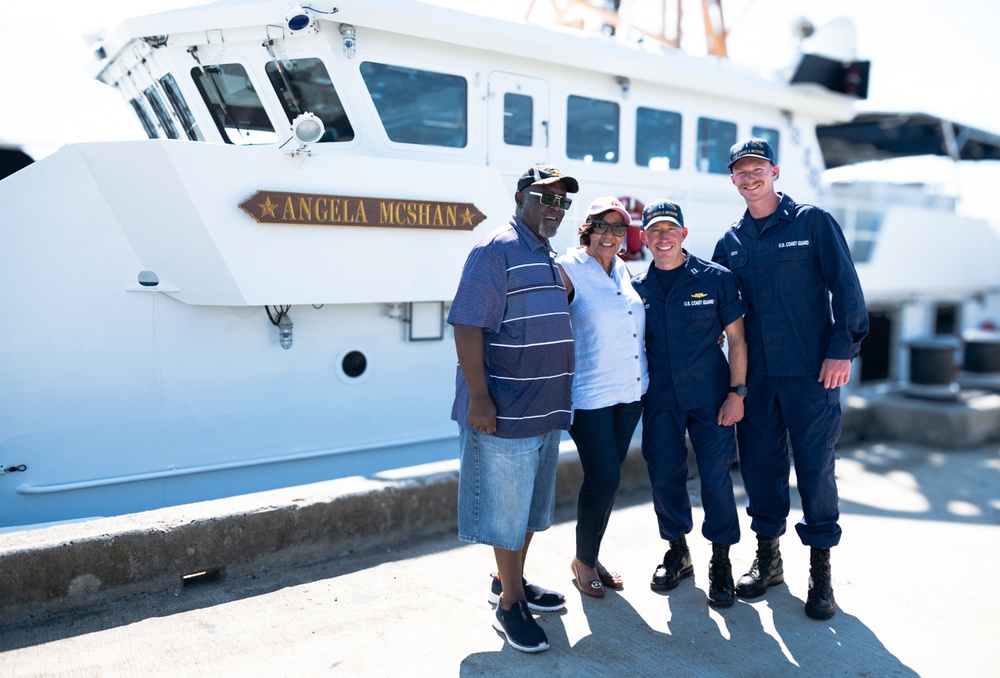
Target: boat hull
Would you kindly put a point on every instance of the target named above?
(118, 397)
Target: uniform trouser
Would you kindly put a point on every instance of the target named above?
(799, 408)
(666, 454)
(602, 438)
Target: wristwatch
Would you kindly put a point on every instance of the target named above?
(740, 390)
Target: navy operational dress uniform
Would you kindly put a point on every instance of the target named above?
(805, 306)
(689, 380)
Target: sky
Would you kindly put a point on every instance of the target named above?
(938, 58)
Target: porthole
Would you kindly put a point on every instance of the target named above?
(354, 364)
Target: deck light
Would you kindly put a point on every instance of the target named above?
(285, 331)
(298, 18)
(307, 129)
(283, 323)
(350, 40)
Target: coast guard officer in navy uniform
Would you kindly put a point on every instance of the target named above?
(692, 388)
(805, 321)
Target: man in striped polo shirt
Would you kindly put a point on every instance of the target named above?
(513, 394)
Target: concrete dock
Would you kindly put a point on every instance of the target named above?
(915, 582)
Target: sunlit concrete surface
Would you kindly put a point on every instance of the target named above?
(914, 578)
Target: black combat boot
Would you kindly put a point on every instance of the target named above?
(676, 565)
(720, 577)
(819, 602)
(767, 569)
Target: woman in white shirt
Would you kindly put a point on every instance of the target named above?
(610, 379)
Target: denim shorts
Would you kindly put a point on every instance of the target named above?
(506, 487)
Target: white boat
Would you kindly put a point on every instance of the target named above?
(255, 297)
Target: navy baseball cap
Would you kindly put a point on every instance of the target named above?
(663, 210)
(751, 148)
(546, 174)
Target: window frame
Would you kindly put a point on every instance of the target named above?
(640, 135)
(585, 133)
(467, 137)
(200, 70)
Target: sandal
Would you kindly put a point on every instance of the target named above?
(593, 588)
(612, 580)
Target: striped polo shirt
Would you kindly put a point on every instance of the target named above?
(511, 288)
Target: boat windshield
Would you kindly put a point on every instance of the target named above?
(305, 85)
(181, 109)
(160, 111)
(235, 106)
(147, 122)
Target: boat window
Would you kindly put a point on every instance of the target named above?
(147, 122)
(160, 111)
(517, 112)
(179, 104)
(419, 107)
(234, 104)
(657, 139)
(769, 135)
(861, 229)
(591, 129)
(715, 138)
(305, 85)
(867, 226)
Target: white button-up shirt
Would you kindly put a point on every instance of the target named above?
(609, 325)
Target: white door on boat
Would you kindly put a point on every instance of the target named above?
(518, 121)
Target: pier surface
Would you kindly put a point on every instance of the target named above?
(914, 578)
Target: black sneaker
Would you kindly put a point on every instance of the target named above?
(522, 631)
(539, 599)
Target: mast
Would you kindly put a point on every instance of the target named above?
(575, 14)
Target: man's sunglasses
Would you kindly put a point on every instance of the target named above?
(549, 199)
(601, 227)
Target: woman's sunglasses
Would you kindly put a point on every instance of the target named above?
(600, 227)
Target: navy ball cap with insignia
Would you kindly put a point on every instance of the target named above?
(751, 148)
(662, 210)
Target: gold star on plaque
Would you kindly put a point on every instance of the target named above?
(467, 217)
(267, 207)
